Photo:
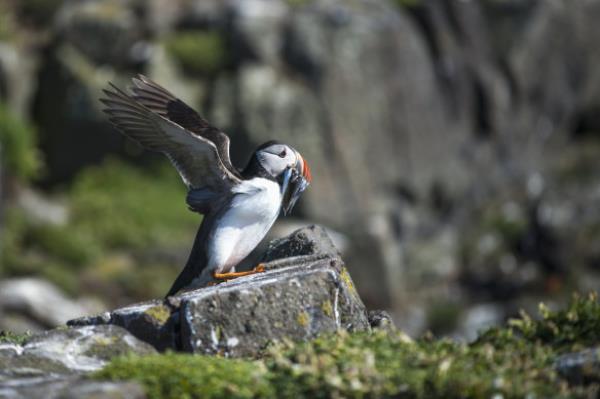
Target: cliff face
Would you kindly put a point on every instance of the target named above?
(452, 141)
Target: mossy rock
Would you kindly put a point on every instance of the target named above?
(515, 361)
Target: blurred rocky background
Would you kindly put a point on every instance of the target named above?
(455, 147)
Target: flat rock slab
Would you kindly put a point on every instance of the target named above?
(307, 293)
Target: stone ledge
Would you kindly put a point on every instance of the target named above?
(299, 297)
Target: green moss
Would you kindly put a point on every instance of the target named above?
(572, 328)
(198, 52)
(515, 361)
(188, 376)
(14, 338)
(20, 156)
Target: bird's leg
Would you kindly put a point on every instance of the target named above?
(225, 276)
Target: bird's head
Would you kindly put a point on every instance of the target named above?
(287, 166)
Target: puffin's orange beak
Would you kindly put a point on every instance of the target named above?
(304, 169)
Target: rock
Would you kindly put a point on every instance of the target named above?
(311, 240)
(380, 319)
(42, 302)
(72, 388)
(155, 322)
(479, 318)
(297, 302)
(304, 294)
(581, 367)
(53, 364)
(66, 351)
(104, 31)
(285, 227)
(42, 209)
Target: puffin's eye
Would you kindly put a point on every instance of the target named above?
(282, 154)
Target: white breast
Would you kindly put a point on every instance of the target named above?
(253, 211)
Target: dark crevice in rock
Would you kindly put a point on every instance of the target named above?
(481, 105)
(449, 9)
(441, 202)
(431, 23)
(421, 14)
(586, 124)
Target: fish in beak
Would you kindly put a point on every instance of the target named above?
(295, 180)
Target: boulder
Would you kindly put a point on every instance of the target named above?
(52, 364)
(154, 322)
(296, 302)
(310, 240)
(306, 291)
(38, 304)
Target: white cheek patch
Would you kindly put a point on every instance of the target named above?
(272, 163)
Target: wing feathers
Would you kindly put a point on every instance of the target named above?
(162, 102)
(196, 158)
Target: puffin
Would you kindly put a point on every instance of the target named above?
(239, 205)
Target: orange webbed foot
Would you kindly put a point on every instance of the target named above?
(260, 268)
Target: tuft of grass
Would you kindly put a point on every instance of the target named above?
(198, 52)
(514, 361)
(8, 337)
(19, 154)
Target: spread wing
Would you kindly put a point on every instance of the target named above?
(159, 100)
(195, 157)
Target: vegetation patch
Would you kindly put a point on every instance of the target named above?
(18, 145)
(515, 361)
(198, 52)
(7, 337)
(187, 376)
(124, 224)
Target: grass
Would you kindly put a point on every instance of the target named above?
(7, 337)
(515, 361)
(198, 52)
(117, 212)
(18, 145)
